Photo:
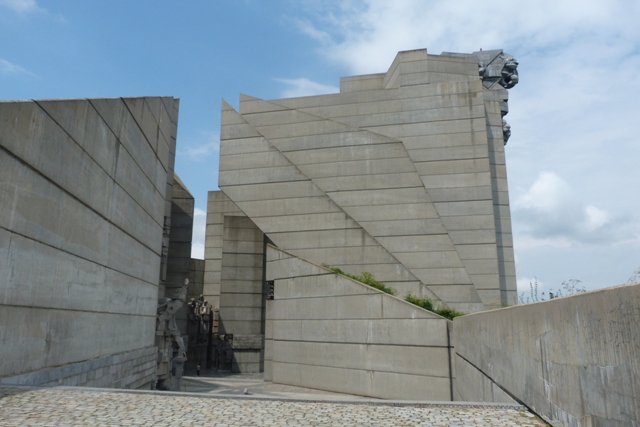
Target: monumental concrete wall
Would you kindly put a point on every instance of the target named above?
(84, 191)
(575, 361)
(329, 332)
(402, 174)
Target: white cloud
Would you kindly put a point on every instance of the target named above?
(22, 6)
(202, 151)
(199, 232)
(546, 194)
(550, 213)
(305, 87)
(9, 68)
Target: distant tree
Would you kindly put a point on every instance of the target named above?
(635, 277)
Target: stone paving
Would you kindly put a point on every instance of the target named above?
(74, 406)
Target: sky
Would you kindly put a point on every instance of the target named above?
(572, 159)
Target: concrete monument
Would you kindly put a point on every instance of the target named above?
(85, 220)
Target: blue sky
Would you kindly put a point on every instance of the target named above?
(573, 156)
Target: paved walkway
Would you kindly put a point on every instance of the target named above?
(76, 406)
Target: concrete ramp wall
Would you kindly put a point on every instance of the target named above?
(575, 361)
(328, 332)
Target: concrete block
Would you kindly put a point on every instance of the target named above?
(322, 221)
(385, 358)
(270, 191)
(242, 146)
(425, 243)
(260, 176)
(456, 180)
(391, 196)
(284, 207)
(476, 207)
(449, 153)
(438, 259)
(407, 227)
(357, 167)
(345, 138)
(460, 194)
(392, 212)
(322, 285)
(323, 239)
(391, 150)
(366, 182)
(465, 166)
(485, 251)
(365, 331)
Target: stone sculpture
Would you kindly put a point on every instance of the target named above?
(497, 67)
(168, 334)
(498, 70)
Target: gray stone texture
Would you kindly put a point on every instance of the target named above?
(85, 186)
(386, 176)
(575, 361)
(329, 332)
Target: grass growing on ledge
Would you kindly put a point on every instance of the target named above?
(428, 304)
(366, 278)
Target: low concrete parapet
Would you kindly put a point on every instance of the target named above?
(575, 361)
(329, 332)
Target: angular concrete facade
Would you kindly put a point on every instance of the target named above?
(401, 174)
(85, 202)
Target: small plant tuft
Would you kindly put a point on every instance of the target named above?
(366, 278)
(428, 304)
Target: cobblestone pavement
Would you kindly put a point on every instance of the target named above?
(67, 406)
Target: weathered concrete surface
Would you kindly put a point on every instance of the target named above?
(402, 174)
(84, 190)
(575, 360)
(329, 332)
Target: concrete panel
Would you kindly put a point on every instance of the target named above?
(392, 212)
(453, 167)
(391, 150)
(556, 356)
(259, 159)
(368, 182)
(363, 331)
(384, 358)
(391, 196)
(339, 139)
(357, 167)
(438, 259)
(407, 227)
(320, 285)
(448, 153)
(82, 122)
(271, 191)
(284, 207)
(456, 180)
(322, 221)
(479, 207)
(427, 243)
(244, 146)
(260, 176)
(460, 194)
